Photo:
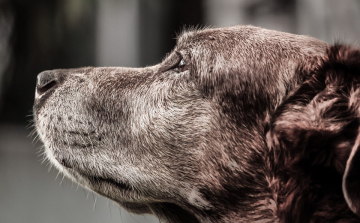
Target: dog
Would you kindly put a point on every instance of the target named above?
(236, 124)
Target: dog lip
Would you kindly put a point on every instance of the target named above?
(117, 184)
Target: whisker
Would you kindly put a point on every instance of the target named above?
(77, 187)
(121, 215)
(108, 205)
(95, 199)
(57, 175)
(61, 182)
(87, 195)
(50, 166)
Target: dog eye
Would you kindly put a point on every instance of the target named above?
(182, 63)
(181, 66)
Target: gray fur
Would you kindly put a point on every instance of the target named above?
(185, 143)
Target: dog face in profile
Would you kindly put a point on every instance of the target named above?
(238, 124)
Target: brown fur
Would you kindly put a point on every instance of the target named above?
(312, 134)
(237, 124)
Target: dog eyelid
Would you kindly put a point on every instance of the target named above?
(176, 63)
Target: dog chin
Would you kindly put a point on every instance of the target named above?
(115, 189)
(122, 193)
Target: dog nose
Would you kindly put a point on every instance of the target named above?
(46, 80)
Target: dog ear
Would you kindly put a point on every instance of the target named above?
(314, 136)
(351, 181)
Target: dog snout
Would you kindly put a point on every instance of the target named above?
(46, 80)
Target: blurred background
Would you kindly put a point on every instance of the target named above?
(37, 35)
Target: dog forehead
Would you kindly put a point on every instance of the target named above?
(245, 36)
(229, 34)
(202, 36)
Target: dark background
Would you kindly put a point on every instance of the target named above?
(37, 35)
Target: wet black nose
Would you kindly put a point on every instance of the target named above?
(46, 80)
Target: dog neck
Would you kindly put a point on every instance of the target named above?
(317, 198)
(260, 212)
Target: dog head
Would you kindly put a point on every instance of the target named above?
(186, 139)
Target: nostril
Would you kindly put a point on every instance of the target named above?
(45, 81)
(45, 87)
